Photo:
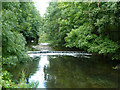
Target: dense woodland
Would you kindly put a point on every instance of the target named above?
(20, 25)
(91, 27)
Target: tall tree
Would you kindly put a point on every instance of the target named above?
(20, 25)
(93, 27)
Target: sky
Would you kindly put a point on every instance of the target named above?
(41, 5)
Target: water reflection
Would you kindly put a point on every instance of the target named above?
(56, 71)
(69, 71)
(39, 74)
(29, 68)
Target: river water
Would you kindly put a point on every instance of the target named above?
(67, 70)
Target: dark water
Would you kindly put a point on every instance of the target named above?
(68, 71)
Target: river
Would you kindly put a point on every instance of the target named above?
(67, 69)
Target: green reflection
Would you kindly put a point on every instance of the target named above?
(71, 72)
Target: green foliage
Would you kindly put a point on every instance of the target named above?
(20, 25)
(8, 83)
(22, 17)
(0, 67)
(13, 46)
(43, 38)
(93, 27)
(50, 25)
(30, 23)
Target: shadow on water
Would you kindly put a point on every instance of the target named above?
(58, 71)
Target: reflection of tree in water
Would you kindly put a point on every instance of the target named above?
(71, 72)
(29, 68)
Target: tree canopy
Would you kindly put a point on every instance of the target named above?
(93, 27)
(20, 25)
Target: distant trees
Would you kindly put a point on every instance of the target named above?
(29, 22)
(90, 26)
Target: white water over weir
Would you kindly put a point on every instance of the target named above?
(44, 49)
(66, 53)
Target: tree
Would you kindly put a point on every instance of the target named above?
(88, 26)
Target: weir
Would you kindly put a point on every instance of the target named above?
(35, 54)
(77, 52)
